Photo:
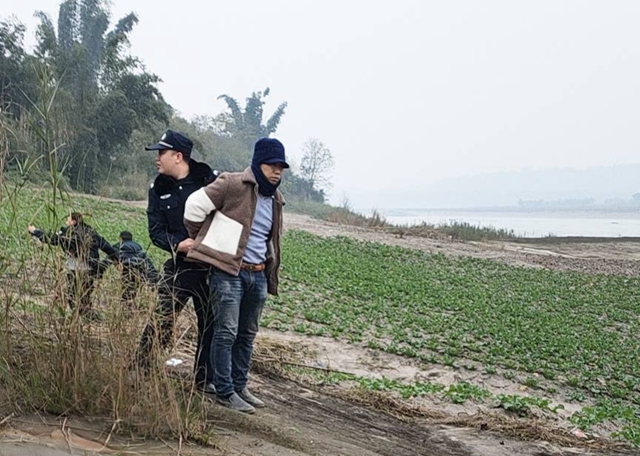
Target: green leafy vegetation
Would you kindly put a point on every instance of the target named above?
(562, 325)
(457, 393)
(615, 411)
(521, 405)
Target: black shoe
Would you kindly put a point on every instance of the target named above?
(206, 387)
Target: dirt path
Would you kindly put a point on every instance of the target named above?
(297, 422)
(331, 426)
(300, 420)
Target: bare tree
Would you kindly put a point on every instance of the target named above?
(316, 164)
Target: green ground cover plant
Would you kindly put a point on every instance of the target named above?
(574, 329)
(457, 393)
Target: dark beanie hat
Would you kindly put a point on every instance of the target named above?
(270, 151)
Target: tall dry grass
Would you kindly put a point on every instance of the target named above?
(51, 358)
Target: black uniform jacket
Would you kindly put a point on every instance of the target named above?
(81, 242)
(167, 198)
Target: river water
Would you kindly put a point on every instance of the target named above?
(529, 224)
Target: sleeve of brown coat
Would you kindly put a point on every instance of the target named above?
(203, 202)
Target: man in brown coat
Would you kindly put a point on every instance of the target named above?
(237, 225)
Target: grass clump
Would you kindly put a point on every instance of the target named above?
(469, 232)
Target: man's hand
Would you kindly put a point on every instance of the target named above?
(185, 245)
(31, 229)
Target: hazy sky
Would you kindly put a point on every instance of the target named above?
(407, 92)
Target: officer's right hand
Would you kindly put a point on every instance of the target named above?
(185, 245)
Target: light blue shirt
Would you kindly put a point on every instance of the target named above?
(256, 250)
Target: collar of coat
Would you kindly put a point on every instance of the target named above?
(198, 172)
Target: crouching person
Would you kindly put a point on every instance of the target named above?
(237, 225)
(137, 267)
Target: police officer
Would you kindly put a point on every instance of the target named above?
(82, 244)
(178, 177)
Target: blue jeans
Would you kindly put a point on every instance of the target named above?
(237, 306)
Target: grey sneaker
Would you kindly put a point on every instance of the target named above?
(208, 387)
(250, 399)
(235, 402)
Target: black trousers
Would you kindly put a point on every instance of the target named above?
(130, 284)
(180, 281)
(133, 276)
(80, 286)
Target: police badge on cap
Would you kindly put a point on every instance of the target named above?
(172, 140)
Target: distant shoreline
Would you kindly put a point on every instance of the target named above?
(528, 222)
(573, 239)
(602, 209)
